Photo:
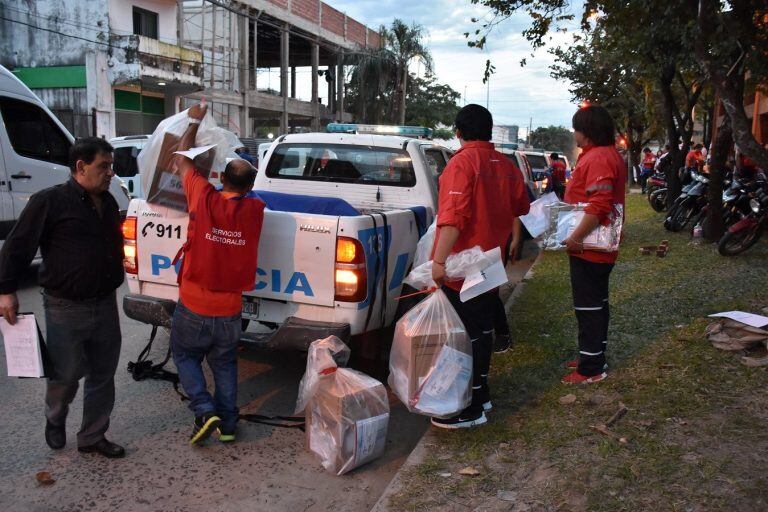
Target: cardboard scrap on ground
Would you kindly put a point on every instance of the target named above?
(749, 319)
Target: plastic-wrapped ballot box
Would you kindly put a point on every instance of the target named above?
(347, 424)
(431, 359)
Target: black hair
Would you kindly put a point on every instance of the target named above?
(698, 146)
(596, 124)
(475, 123)
(554, 156)
(646, 149)
(86, 149)
(240, 174)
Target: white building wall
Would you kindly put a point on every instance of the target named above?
(121, 17)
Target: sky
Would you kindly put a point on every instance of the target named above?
(517, 94)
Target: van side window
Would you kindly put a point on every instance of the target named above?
(33, 133)
(435, 160)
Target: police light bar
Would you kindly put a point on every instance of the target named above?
(380, 129)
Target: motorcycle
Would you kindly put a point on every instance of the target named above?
(691, 202)
(656, 187)
(745, 233)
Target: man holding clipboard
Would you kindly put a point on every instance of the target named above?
(76, 226)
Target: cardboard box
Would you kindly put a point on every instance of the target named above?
(347, 424)
(165, 186)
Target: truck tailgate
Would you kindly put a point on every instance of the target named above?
(297, 253)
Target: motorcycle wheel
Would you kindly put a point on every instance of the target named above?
(733, 243)
(658, 199)
(679, 217)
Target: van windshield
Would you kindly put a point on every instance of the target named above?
(537, 161)
(340, 163)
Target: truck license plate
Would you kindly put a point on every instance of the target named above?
(250, 307)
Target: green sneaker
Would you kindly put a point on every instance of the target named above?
(225, 436)
(203, 427)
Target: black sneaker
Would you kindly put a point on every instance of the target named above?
(502, 343)
(226, 435)
(55, 436)
(464, 419)
(203, 427)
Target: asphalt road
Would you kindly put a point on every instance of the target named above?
(268, 468)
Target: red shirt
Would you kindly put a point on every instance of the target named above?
(200, 299)
(600, 179)
(558, 171)
(648, 160)
(481, 194)
(694, 158)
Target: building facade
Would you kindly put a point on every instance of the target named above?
(118, 67)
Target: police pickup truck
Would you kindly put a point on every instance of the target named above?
(344, 214)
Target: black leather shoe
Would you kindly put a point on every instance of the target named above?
(105, 448)
(56, 437)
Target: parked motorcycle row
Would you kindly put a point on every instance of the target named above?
(745, 207)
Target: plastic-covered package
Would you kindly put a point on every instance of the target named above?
(347, 411)
(156, 160)
(430, 365)
(457, 267)
(424, 247)
(536, 221)
(565, 217)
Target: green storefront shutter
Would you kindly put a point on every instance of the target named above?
(127, 100)
(152, 105)
(53, 77)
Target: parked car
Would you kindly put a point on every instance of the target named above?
(521, 161)
(127, 149)
(540, 164)
(34, 151)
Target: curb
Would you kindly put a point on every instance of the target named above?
(419, 453)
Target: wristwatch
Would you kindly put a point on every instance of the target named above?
(194, 121)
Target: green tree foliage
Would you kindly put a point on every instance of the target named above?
(430, 103)
(554, 138)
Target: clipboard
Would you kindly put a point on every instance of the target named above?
(45, 365)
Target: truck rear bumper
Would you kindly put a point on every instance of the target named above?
(294, 334)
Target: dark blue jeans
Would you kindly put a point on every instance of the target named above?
(196, 337)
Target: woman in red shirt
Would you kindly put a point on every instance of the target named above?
(599, 180)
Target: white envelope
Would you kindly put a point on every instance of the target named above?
(487, 279)
(536, 221)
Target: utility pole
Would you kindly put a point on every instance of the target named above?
(465, 95)
(488, 93)
(530, 128)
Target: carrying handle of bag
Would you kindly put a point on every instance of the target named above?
(421, 292)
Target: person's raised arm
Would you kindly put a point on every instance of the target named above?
(196, 114)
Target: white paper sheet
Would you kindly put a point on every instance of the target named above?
(750, 319)
(371, 438)
(536, 221)
(22, 347)
(487, 279)
(191, 153)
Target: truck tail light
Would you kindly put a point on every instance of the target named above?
(351, 277)
(130, 261)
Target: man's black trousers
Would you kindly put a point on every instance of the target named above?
(589, 283)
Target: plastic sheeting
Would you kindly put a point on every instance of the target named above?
(565, 217)
(347, 411)
(457, 267)
(424, 247)
(156, 160)
(430, 365)
(536, 221)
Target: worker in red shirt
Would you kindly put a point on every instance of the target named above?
(558, 175)
(598, 180)
(224, 226)
(481, 194)
(646, 167)
(694, 160)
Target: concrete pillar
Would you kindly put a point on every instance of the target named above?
(255, 63)
(315, 88)
(330, 75)
(242, 24)
(293, 82)
(284, 59)
(180, 22)
(340, 88)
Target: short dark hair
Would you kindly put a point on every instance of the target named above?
(240, 174)
(596, 124)
(86, 149)
(554, 156)
(474, 122)
(698, 146)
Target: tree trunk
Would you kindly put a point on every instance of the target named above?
(673, 137)
(732, 99)
(403, 95)
(720, 150)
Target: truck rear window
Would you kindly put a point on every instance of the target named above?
(537, 161)
(337, 163)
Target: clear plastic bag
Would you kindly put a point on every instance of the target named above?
(347, 411)
(457, 267)
(424, 247)
(156, 160)
(430, 365)
(536, 221)
(565, 217)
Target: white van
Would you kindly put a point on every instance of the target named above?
(127, 149)
(34, 151)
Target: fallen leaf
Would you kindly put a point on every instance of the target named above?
(44, 478)
(506, 495)
(444, 475)
(469, 471)
(568, 399)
